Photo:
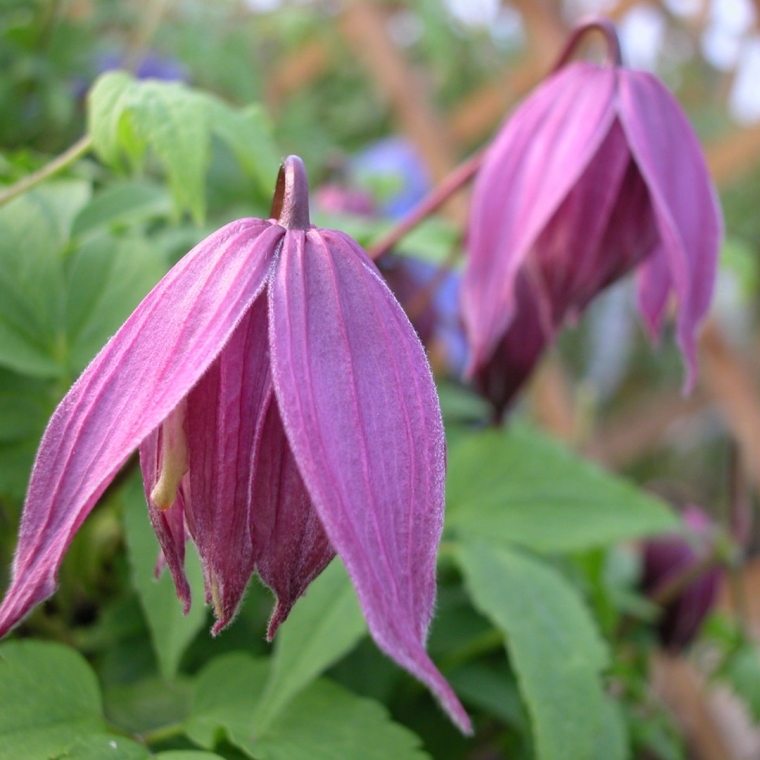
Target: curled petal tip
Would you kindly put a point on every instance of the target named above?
(290, 205)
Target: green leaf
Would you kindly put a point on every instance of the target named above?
(170, 630)
(741, 671)
(107, 102)
(323, 722)
(123, 203)
(187, 754)
(50, 700)
(612, 742)
(107, 279)
(325, 624)
(524, 488)
(226, 693)
(248, 133)
(106, 747)
(148, 704)
(125, 116)
(326, 721)
(34, 231)
(554, 647)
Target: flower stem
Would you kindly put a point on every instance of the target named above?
(68, 157)
(593, 23)
(439, 195)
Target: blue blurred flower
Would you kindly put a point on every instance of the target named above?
(395, 172)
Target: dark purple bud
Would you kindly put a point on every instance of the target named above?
(671, 557)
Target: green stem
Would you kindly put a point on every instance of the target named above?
(68, 157)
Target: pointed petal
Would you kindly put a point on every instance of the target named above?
(668, 155)
(500, 378)
(540, 153)
(169, 524)
(224, 415)
(653, 288)
(129, 388)
(569, 261)
(361, 414)
(292, 546)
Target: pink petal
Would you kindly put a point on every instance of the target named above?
(568, 260)
(361, 414)
(292, 547)
(133, 384)
(224, 416)
(653, 288)
(537, 158)
(667, 152)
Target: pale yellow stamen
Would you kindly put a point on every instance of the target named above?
(216, 598)
(173, 459)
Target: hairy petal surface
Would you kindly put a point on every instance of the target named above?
(292, 546)
(668, 155)
(537, 158)
(361, 414)
(130, 387)
(225, 413)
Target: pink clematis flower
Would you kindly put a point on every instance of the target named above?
(598, 172)
(284, 411)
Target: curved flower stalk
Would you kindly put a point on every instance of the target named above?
(597, 173)
(284, 411)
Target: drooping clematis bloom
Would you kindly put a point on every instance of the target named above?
(284, 411)
(598, 172)
(669, 557)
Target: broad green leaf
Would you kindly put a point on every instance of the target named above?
(187, 754)
(323, 722)
(106, 747)
(248, 134)
(554, 647)
(521, 487)
(491, 690)
(127, 116)
(107, 278)
(612, 742)
(326, 721)
(741, 671)
(34, 231)
(24, 407)
(49, 700)
(122, 204)
(106, 104)
(170, 630)
(148, 703)
(325, 624)
(226, 693)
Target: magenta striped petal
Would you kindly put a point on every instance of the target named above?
(669, 158)
(224, 417)
(128, 390)
(361, 414)
(539, 155)
(292, 547)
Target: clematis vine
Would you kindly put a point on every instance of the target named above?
(284, 411)
(597, 173)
